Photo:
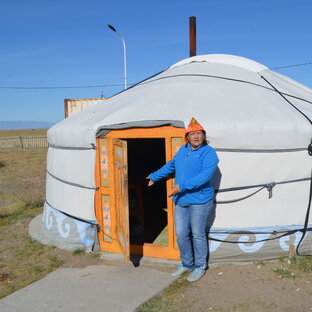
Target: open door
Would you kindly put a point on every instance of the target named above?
(123, 201)
(121, 195)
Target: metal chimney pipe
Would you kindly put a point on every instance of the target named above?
(192, 36)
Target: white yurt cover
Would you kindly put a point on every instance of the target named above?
(258, 121)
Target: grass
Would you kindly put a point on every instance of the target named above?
(173, 298)
(253, 304)
(294, 266)
(54, 263)
(22, 193)
(27, 266)
(305, 264)
(284, 273)
(22, 179)
(78, 251)
(26, 132)
(165, 302)
(262, 263)
(12, 214)
(22, 260)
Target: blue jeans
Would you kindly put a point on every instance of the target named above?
(191, 223)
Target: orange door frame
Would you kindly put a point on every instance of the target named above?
(104, 197)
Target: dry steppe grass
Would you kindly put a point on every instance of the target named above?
(279, 286)
(22, 194)
(22, 179)
(26, 132)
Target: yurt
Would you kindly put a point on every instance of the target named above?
(258, 121)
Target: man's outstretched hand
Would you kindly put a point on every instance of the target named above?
(150, 182)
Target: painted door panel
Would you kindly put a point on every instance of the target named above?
(112, 197)
(121, 195)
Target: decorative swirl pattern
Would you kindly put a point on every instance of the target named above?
(48, 217)
(214, 245)
(85, 230)
(61, 227)
(56, 222)
(283, 240)
(253, 242)
(255, 246)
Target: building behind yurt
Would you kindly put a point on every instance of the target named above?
(258, 121)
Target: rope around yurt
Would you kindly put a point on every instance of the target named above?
(269, 187)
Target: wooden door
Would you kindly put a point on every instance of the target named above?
(111, 199)
(121, 195)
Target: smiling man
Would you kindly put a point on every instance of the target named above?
(194, 166)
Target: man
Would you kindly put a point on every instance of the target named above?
(194, 166)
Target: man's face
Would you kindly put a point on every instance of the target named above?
(196, 138)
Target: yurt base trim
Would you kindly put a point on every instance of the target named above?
(226, 244)
(67, 232)
(258, 243)
(261, 234)
(246, 244)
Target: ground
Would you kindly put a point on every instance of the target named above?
(22, 193)
(254, 287)
(280, 286)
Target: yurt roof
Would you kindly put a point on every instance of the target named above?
(223, 59)
(241, 104)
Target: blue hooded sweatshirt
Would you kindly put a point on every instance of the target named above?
(193, 172)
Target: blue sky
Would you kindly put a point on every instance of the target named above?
(63, 43)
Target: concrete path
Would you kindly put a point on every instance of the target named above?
(95, 288)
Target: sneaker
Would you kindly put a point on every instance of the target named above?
(180, 270)
(196, 275)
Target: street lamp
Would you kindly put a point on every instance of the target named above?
(124, 48)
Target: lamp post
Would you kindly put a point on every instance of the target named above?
(124, 49)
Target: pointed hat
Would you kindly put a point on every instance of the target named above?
(194, 126)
